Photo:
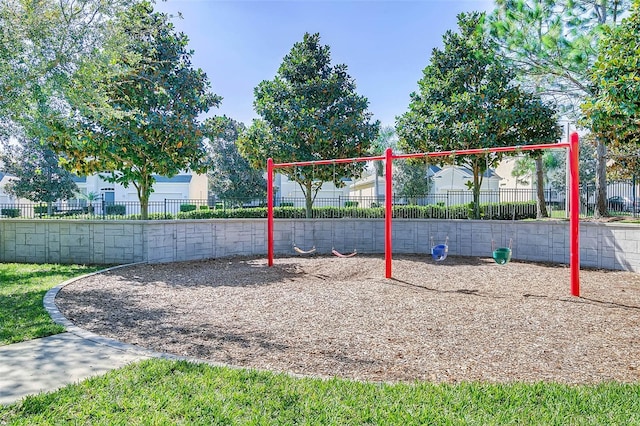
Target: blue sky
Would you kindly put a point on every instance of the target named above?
(385, 44)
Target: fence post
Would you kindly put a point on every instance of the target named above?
(104, 210)
(633, 194)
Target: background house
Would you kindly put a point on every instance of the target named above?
(451, 185)
(448, 185)
(4, 197)
(185, 187)
(6, 200)
(289, 191)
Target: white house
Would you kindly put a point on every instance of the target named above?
(183, 187)
(5, 198)
(289, 191)
(371, 188)
(449, 185)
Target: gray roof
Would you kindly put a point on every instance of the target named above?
(487, 173)
(174, 179)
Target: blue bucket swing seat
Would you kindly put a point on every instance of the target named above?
(439, 252)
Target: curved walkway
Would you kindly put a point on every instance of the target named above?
(48, 363)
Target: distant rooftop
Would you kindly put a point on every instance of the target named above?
(174, 179)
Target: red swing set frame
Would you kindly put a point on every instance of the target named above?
(574, 201)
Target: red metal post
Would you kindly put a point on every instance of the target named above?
(270, 211)
(388, 212)
(574, 218)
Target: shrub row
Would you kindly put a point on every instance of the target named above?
(491, 211)
(10, 212)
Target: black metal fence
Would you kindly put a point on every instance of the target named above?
(101, 209)
(623, 199)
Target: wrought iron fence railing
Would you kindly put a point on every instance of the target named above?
(502, 203)
(101, 209)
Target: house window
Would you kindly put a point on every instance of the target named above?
(109, 195)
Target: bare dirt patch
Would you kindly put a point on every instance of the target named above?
(460, 320)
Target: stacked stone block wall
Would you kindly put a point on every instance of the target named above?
(602, 245)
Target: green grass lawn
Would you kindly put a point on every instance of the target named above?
(166, 393)
(22, 288)
(159, 392)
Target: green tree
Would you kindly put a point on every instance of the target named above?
(154, 99)
(310, 111)
(468, 99)
(387, 138)
(230, 174)
(39, 176)
(523, 169)
(42, 43)
(613, 111)
(556, 164)
(412, 180)
(553, 45)
(90, 197)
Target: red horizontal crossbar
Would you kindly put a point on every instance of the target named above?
(335, 161)
(474, 151)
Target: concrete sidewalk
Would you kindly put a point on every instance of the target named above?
(52, 362)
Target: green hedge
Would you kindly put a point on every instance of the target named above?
(188, 207)
(491, 211)
(44, 209)
(11, 212)
(115, 209)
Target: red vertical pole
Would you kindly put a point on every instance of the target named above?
(574, 218)
(270, 211)
(388, 212)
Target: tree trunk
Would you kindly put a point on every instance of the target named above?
(542, 205)
(376, 184)
(601, 209)
(477, 182)
(143, 195)
(308, 199)
(144, 206)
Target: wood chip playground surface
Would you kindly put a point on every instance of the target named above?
(464, 319)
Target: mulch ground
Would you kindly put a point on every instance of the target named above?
(465, 319)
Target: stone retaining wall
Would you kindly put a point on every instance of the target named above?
(609, 246)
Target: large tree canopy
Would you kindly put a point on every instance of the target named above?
(468, 99)
(553, 44)
(150, 126)
(613, 112)
(310, 111)
(230, 174)
(42, 43)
